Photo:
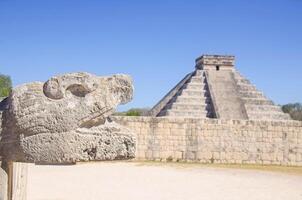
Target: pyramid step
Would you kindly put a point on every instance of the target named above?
(237, 75)
(195, 86)
(196, 93)
(184, 107)
(248, 87)
(272, 113)
(252, 94)
(265, 112)
(263, 108)
(243, 80)
(199, 110)
(197, 80)
(190, 99)
(179, 110)
(191, 104)
(257, 101)
(186, 114)
(194, 90)
(268, 116)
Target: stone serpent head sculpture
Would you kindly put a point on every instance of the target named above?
(65, 120)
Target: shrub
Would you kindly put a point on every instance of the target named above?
(133, 112)
(5, 85)
(294, 110)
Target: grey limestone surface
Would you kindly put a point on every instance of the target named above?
(65, 120)
(217, 140)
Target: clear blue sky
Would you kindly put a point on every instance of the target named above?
(156, 42)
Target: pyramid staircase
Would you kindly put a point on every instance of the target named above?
(191, 100)
(216, 90)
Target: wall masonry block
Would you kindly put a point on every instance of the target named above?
(217, 141)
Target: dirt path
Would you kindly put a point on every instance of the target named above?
(115, 181)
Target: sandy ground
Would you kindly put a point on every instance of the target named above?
(115, 181)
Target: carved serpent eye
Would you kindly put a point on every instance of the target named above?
(52, 89)
(79, 84)
(78, 90)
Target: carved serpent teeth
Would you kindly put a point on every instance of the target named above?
(95, 118)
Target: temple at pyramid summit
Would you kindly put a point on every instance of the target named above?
(215, 89)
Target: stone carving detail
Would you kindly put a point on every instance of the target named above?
(66, 119)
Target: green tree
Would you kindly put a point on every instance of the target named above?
(294, 110)
(138, 112)
(5, 85)
(134, 112)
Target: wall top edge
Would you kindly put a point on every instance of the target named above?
(206, 121)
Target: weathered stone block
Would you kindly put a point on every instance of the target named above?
(178, 155)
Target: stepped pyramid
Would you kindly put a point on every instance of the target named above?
(217, 90)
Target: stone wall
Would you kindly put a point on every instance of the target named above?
(217, 141)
